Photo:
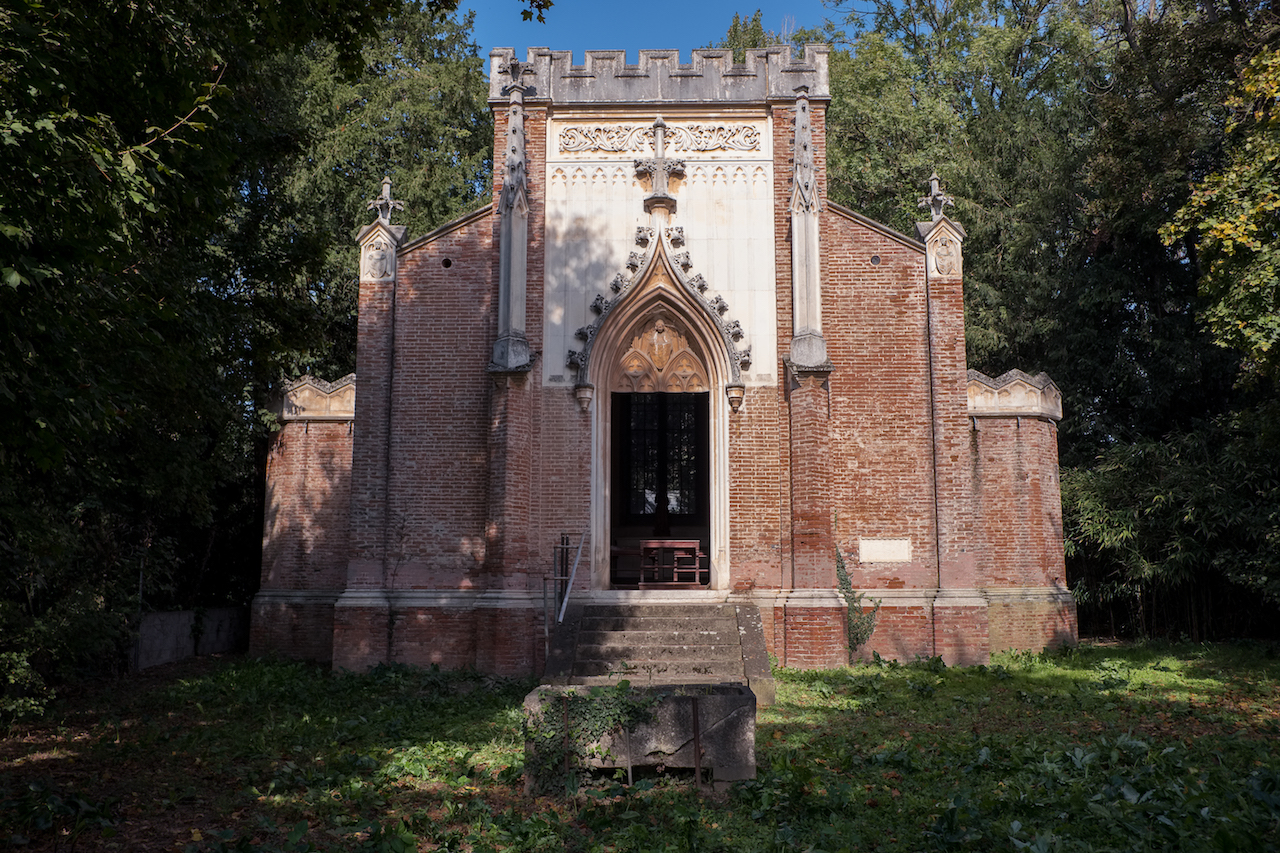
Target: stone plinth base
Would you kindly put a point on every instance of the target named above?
(965, 627)
(1032, 618)
(693, 726)
(496, 631)
(294, 624)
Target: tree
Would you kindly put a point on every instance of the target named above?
(419, 114)
(161, 267)
(1229, 225)
(744, 35)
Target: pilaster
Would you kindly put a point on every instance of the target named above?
(375, 359)
(813, 563)
(511, 348)
(507, 527)
(808, 346)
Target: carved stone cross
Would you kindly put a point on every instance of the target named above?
(936, 200)
(384, 203)
(661, 169)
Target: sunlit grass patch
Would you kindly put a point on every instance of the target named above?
(1109, 748)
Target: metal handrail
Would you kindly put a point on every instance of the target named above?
(573, 573)
(562, 561)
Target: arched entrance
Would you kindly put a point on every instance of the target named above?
(660, 485)
(660, 494)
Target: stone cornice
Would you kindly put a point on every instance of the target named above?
(711, 77)
(1014, 394)
(312, 399)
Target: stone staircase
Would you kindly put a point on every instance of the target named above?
(659, 644)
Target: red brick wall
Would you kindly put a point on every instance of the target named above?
(438, 476)
(902, 632)
(1033, 624)
(505, 641)
(298, 630)
(811, 637)
(304, 540)
(882, 464)
(759, 460)
(1017, 494)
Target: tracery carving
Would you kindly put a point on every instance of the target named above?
(660, 359)
(804, 197)
(681, 137)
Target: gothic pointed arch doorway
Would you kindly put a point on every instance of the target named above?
(660, 484)
(660, 492)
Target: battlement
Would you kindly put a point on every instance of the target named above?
(711, 77)
(312, 399)
(1014, 394)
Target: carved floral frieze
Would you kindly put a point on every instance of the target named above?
(640, 137)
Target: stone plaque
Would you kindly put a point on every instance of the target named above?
(884, 550)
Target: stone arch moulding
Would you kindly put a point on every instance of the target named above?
(696, 345)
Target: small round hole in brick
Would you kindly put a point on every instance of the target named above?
(875, 260)
(446, 263)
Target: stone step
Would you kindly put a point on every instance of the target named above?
(724, 611)
(640, 679)
(662, 671)
(728, 627)
(622, 648)
(676, 635)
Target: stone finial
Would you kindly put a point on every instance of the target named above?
(384, 203)
(936, 200)
(804, 196)
(515, 179)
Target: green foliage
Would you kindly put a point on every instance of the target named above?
(174, 245)
(564, 732)
(743, 35)
(1230, 219)
(41, 807)
(1152, 747)
(24, 692)
(1165, 515)
(861, 623)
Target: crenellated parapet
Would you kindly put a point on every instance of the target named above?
(1014, 394)
(312, 399)
(711, 76)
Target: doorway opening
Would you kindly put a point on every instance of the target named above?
(660, 491)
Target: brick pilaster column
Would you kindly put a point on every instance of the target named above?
(813, 556)
(507, 534)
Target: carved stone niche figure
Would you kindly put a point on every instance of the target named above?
(379, 260)
(946, 255)
(660, 359)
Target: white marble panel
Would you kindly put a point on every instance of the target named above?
(595, 203)
(884, 550)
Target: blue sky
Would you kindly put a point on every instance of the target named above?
(581, 25)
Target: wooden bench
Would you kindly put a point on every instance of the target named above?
(669, 563)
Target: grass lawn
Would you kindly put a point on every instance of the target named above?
(1124, 748)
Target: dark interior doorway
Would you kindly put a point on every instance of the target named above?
(660, 509)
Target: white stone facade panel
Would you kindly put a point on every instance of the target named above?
(595, 203)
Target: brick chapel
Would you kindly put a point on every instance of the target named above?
(662, 339)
